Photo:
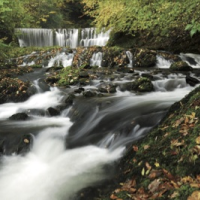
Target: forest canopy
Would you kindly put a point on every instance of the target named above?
(127, 16)
(157, 16)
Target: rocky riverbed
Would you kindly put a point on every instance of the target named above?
(102, 100)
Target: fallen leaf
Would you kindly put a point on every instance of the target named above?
(154, 185)
(146, 147)
(176, 143)
(168, 174)
(195, 185)
(194, 196)
(198, 140)
(112, 196)
(148, 166)
(174, 195)
(155, 174)
(197, 149)
(143, 171)
(26, 141)
(157, 164)
(135, 148)
(187, 179)
(178, 122)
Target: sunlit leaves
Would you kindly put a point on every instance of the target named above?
(128, 16)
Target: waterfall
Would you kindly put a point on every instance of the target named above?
(61, 37)
(130, 58)
(162, 62)
(61, 59)
(67, 37)
(192, 59)
(90, 37)
(96, 59)
(35, 37)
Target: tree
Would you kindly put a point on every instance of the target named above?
(130, 16)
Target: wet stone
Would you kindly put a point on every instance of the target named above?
(79, 90)
(180, 66)
(89, 94)
(53, 111)
(19, 116)
(191, 80)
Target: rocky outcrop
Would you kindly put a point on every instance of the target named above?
(144, 58)
(180, 66)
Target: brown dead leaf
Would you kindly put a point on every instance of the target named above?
(198, 177)
(146, 147)
(148, 166)
(168, 174)
(176, 143)
(155, 173)
(186, 120)
(178, 122)
(135, 148)
(195, 185)
(174, 195)
(112, 196)
(194, 196)
(174, 184)
(154, 185)
(166, 134)
(26, 141)
(187, 179)
(198, 140)
(158, 194)
(129, 184)
(196, 149)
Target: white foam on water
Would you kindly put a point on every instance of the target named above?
(96, 59)
(38, 101)
(90, 37)
(162, 62)
(195, 57)
(50, 172)
(61, 59)
(130, 58)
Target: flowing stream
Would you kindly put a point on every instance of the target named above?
(70, 152)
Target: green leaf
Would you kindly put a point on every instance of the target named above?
(188, 27)
(192, 32)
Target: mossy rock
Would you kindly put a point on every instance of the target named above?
(180, 66)
(169, 56)
(142, 84)
(13, 89)
(144, 58)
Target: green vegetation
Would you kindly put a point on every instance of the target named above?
(135, 16)
(165, 164)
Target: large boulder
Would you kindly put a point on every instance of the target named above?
(53, 111)
(180, 66)
(142, 84)
(144, 58)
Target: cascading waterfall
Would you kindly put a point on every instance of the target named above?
(61, 37)
(51, 171)
(130, 58)
(62, 59)
(35, 37)
(67, 37)
(162, 62)
(96, 59)
(90, 37)
(192, 59)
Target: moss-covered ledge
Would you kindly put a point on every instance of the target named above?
(165, 164)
